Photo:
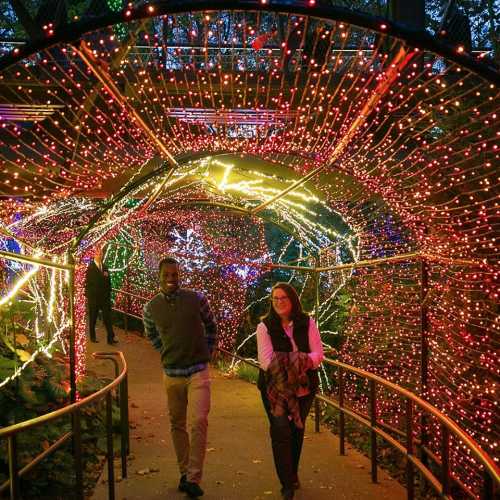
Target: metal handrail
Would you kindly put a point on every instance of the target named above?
(491, 471)
(125, 292)
(127, 314)
(476, 450)
(442, 485)
(27, 259)
(10, 433)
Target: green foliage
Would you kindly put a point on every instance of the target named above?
(342, 306)
(241, 370)
(7, 367)
(247, 373)
(41, 389)
(16, 342)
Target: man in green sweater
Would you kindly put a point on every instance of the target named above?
(180, 324)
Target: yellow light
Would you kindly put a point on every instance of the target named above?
(19, 285)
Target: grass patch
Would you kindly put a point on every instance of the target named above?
(240, 370)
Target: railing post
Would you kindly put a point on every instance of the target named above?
(316, 414)
(445, 459)
(341, 416)
(373, 434)
(110, 452)
(127, 302)
(487, 492)
(424, 353)
(316, 319)
(77, 453)
(72, 330)
(410, 484)
(13, 472)
(117, 372)
(124, 424)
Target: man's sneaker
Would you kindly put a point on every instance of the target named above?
(192, 489)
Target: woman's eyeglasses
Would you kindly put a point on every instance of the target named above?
(276, 300)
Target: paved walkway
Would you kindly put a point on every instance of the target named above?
(239, 463)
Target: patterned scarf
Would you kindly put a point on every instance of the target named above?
(286, 379)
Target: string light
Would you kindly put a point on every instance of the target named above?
(49, 322)
(18, 285)
(418, 175)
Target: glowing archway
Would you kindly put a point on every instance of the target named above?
(401, 142)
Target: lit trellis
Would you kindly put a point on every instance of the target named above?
(401, 143)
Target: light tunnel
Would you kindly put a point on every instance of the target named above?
(346, 154)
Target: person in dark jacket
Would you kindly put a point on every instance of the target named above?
(98, 294)
(290, 351)
(180, 324)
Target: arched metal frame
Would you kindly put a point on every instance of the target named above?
(417, 38)
(72, 32)
(165, 168)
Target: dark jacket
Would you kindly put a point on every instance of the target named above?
(97, 284)
(281, 343)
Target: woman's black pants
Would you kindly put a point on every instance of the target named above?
(287, 439)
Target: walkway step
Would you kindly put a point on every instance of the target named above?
(239, 464)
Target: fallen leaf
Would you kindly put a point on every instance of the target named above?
(210, 449)
(21, 339)
(143, 472)
(23, 355)
(45, 445)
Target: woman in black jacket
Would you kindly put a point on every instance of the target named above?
(290, 351)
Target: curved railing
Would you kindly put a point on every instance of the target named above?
(442, 486)
(10, 433)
